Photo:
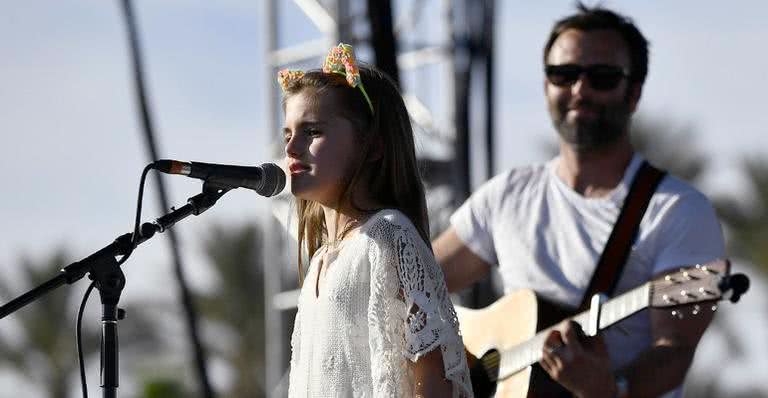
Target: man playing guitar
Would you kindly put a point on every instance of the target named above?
(546, 225)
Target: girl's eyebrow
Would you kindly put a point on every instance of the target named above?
(305, 124)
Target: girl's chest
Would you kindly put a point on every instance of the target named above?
(338, 283)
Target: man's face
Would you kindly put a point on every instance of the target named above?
(589, 114)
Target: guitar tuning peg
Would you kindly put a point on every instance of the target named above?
(706, 269)
(678, 314)
(714, 307)
(696, 310)
(739, 283)
(688, 276)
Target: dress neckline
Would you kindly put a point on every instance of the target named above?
(335, 248)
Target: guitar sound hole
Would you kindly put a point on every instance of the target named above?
(485, 373)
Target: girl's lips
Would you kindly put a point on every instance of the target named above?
(296, 168)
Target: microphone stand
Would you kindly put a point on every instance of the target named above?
(105, 271)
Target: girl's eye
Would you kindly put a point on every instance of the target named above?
(287, 136)
(312, 132)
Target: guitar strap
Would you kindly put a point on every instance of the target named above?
(624, 233)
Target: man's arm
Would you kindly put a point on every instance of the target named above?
(664, 366)
(655, 371)
(460, 265)
(692, 235)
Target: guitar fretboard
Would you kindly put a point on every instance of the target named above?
(526, 354)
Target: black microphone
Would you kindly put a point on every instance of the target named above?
(267, 179)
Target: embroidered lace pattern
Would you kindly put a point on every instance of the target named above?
(382, 302)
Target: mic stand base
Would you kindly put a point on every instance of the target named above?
(110, 280)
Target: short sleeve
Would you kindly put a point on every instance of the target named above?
(690, 235)
(410, 313)
(473, 221)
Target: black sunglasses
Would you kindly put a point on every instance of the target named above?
(600, 77)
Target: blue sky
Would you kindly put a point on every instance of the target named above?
(72, 150)
(705, 70)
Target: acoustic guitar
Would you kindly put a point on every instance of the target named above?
(506, 338)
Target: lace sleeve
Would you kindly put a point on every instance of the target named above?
(410, 313)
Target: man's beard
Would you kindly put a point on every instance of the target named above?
(601, 132)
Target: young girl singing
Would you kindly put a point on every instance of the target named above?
(374, 317)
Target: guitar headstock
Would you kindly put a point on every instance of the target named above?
(693, 284)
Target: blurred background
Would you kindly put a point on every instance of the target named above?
(92, 91)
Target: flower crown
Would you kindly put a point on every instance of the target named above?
(341, 60)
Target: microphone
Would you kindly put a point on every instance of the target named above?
(267, 179)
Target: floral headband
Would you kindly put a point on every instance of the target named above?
(341, 60)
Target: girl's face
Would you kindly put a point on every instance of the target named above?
(319, 147)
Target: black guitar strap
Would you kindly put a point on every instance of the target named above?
(616, 251)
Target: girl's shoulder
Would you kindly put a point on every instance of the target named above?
(387, 219)
(387, 225)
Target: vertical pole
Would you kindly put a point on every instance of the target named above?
(383, 37)
(273, 325)
(463, 82)
(343, 22)
(149, 136)
(488, 43)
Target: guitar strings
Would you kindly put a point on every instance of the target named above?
(491, 365)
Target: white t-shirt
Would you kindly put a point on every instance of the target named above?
(546, 237)
(382, 302)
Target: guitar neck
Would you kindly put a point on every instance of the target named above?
(526, 354)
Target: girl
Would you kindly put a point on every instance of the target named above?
(374, 317)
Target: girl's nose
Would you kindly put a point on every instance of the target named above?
(293, 146)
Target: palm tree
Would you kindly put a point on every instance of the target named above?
(669, 146)
(41, 325)
(661, 143)
(660, 140)
(164, 388)
(745, 222)
(46, 354)
(746, 218)
(236, 305)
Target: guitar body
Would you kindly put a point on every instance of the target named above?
(512, 320)
(513, 327)
(509, 321)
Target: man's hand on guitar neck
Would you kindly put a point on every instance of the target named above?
(578, 363)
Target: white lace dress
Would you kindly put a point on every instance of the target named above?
(382, 302)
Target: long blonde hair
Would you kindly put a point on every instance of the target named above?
(387, 131)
